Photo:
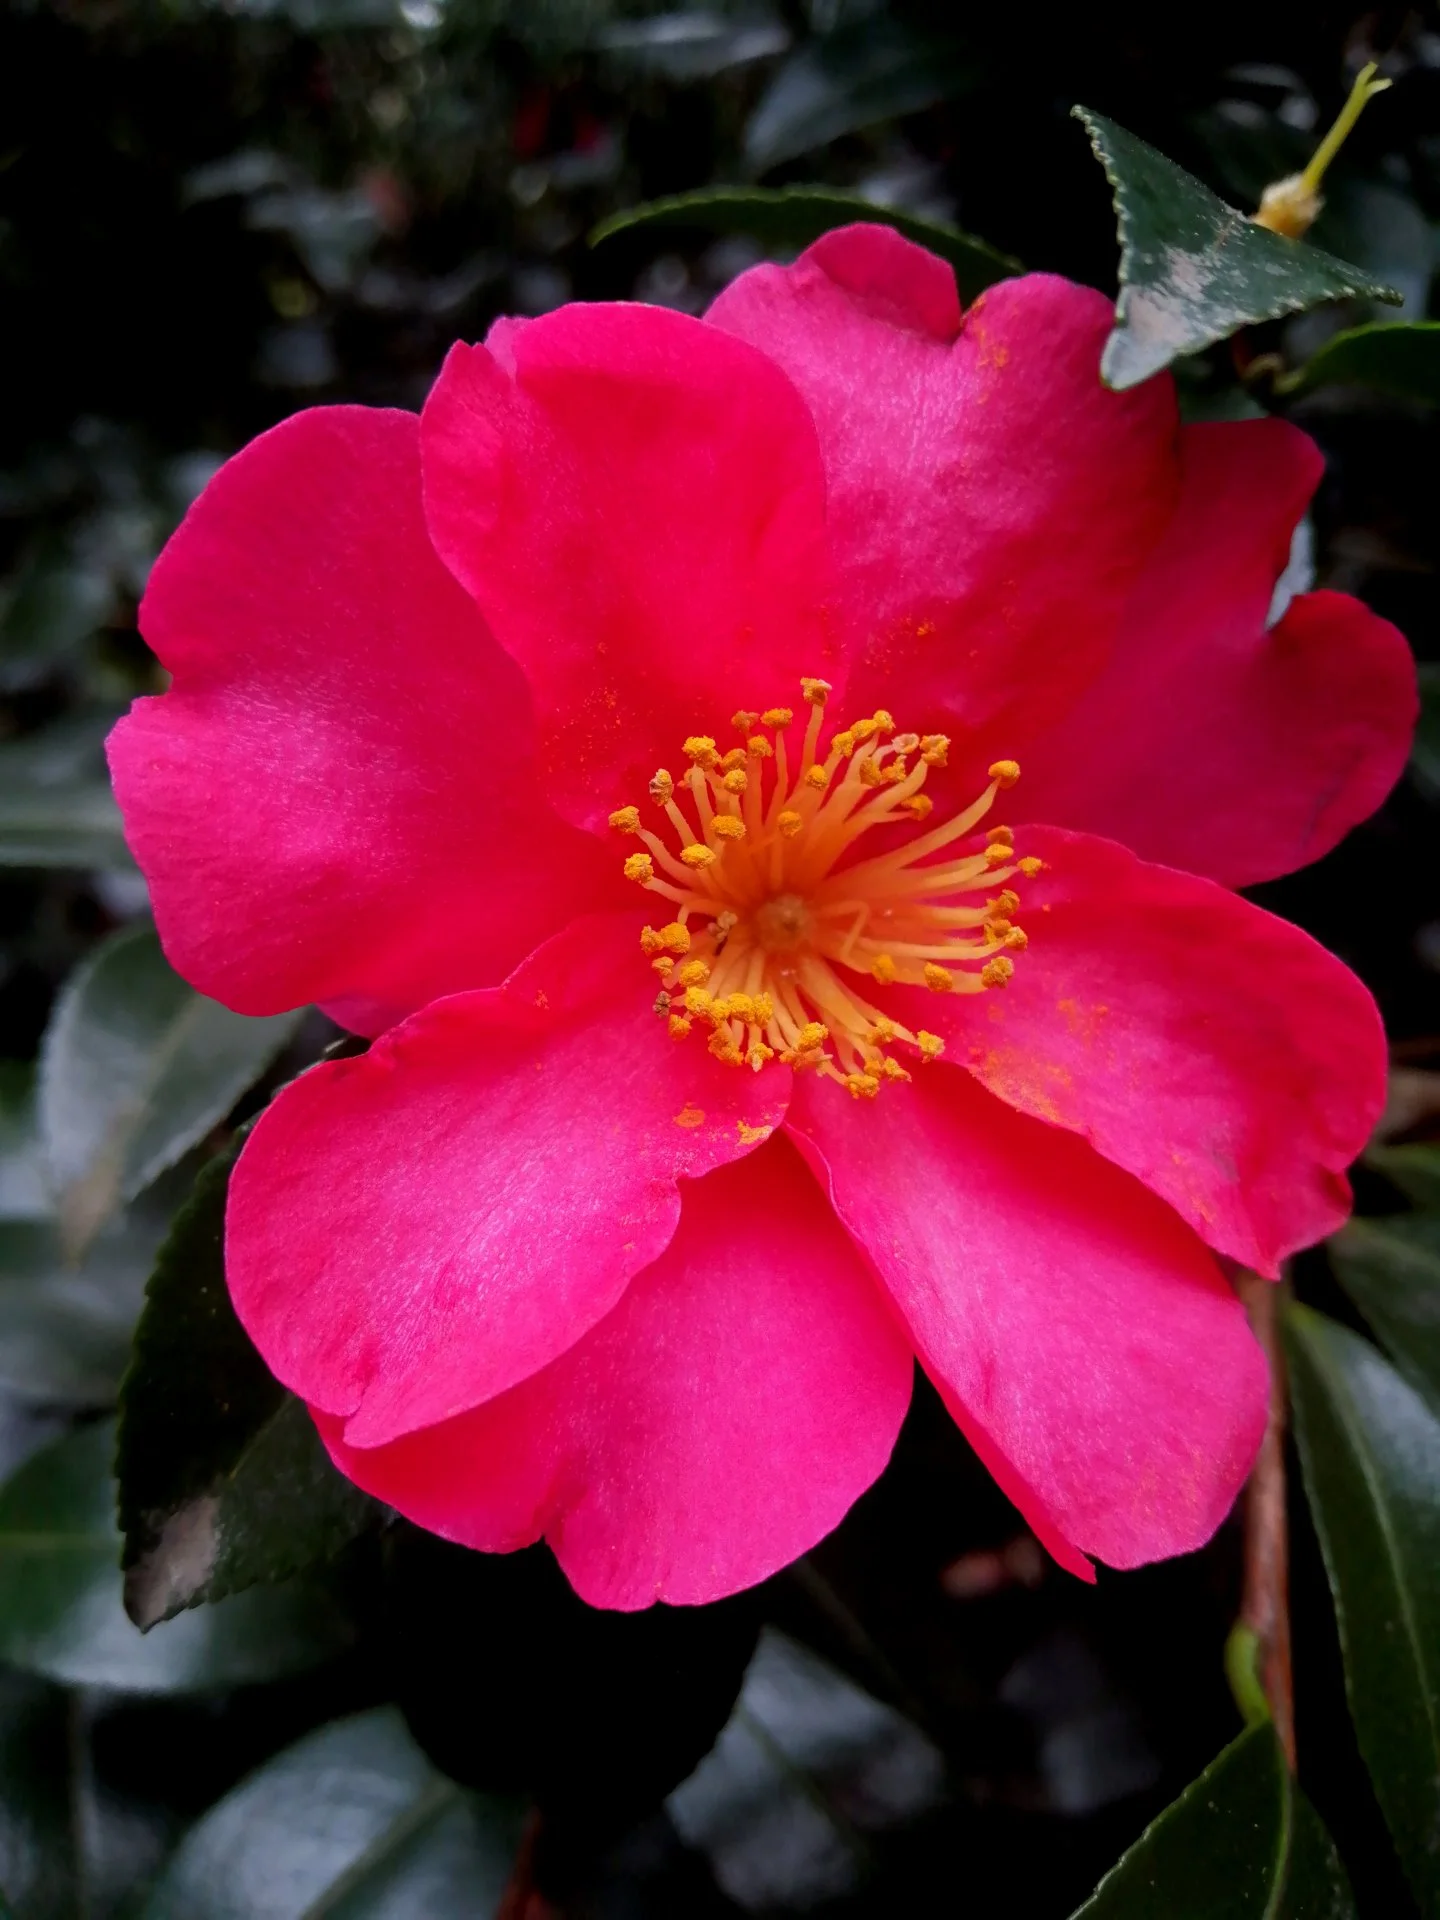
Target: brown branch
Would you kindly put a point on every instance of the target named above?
(1265, 1600)
(522, 1900)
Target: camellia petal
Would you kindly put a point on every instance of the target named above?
(1216, 1052)
(413, 1231)
(715, 1425)
(637, 504)
(1214, 743)
(337, 798)
(990, 502)
(1080, 1333)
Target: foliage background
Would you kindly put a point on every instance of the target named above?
(213, 212)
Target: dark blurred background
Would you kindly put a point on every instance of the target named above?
(214, 212)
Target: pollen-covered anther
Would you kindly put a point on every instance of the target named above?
(757, 1053)
(694, 973)
(817, 778)
(999, 853)
(790, 823)
(813, 1034)
(884, 970)
(701, 750)
(930, 1044)
(759, 748)
(1004, 773)
(778, 716)
(997, 972)
(919, 806)
(815, 692)
(861, 1086)
(626, 820)
(662, 787)
(1017, 940)
(640, 867)
(736, 780)
(728, 826)
(678, 1026)
(669, 939)
(935, 749)
(1004, 902)
(698, 1003)
(1030, 866)
(939, 979)
(698, 856)
(1000, 836)
(744, 721)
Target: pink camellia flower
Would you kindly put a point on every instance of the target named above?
(621, 744)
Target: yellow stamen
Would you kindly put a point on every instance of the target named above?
(781, 931)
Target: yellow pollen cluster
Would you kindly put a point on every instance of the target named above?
(780, 929)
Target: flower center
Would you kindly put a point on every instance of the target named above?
(780, 934)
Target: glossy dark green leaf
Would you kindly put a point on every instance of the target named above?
(61, 1614)
(1193, 270)
(1399, 357)
(870, 70)
(807, 1769)
(55, 598)
(1425, 754)
(352, 1823)
(24, 1194)
(136, 1068)
(56, 807)
(223, 1480)
(1415, 1169)
(65, 1326)
(1391, 1270)
(1370, 1449)
(794, 216)
(37, 1837)
(1241, 1842)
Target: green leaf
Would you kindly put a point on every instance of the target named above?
(1425, 754)
(1414, 1169)
(1370, 1450)
(223, 1479)
(56, 598)
(61, 1614)
(809, 1756)
(1391, 1270)
(871, 70)
(23, 1191)
(136, 1068)
(1396, 357)
(56, 807)
(1193, 270)
(37, 1826)
(1240, 1841)
(65, 1328)
(794, 216)
(351, 1823)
